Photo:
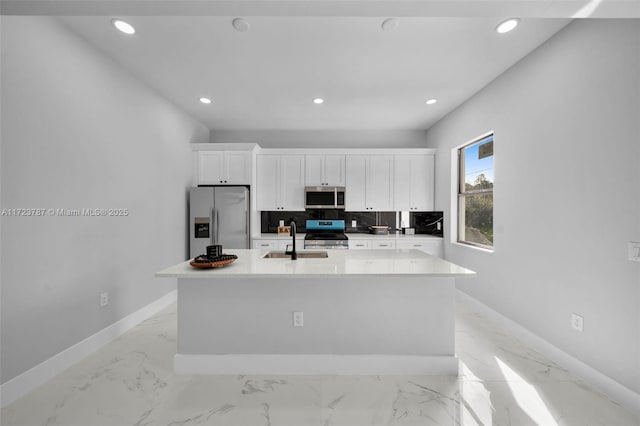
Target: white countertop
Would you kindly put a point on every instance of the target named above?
(349, 263)
(352, 236)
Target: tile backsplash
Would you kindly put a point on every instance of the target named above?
(422, 221)
(427, 223)
(270, 219)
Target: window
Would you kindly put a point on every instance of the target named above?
(475, 193)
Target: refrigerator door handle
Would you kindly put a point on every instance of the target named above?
(214, 235)
(217, 228)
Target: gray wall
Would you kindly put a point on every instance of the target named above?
(79, 132)
(324, 138)
(567, 168)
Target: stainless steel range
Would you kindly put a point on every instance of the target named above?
(326, 234)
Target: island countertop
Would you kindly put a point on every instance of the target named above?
(347, 263)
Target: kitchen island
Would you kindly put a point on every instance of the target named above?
(363, 312)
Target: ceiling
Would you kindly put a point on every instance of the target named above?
(266, 78)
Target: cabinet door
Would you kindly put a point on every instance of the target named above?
(334, 173)
(379, 188)
(402, 184)
(238, 168)
(314, 170)
(210, 167)
(413, 182)
(356, 183)
(268, 182)
(292, 182)
(422, 182)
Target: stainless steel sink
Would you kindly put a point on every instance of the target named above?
(301, 255)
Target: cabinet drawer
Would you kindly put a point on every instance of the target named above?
(265, 244)
(359, 245)
(383, 244)
(282, 244)
(432, 246)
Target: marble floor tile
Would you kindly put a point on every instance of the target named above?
(130, 382)
(544, 403)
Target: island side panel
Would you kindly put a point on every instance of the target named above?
(342, 315)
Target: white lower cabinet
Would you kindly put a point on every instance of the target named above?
(276, 244)
(384, 244)
(359, 244)
(282, 244)
(265, 244)
(428, 245)
(371, 244)
(431, 245)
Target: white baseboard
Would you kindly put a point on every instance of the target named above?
(614, 390)
(308, 364)
(41, 373)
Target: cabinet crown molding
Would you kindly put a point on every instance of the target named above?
(347, 151)
(224, 146)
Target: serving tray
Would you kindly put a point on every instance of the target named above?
(215, 264)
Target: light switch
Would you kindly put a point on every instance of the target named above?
(634, 251)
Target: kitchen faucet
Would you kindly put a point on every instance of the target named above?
(292, 233)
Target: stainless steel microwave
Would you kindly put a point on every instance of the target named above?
(324, 197)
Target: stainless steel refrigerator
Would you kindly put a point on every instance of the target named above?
(218, 215)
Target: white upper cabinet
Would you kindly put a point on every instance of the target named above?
(355, 198)
(292, 182)
(324, 170)
(280, 182)
(268, 182)
(414, 182)
(223, 167)
(369, 183)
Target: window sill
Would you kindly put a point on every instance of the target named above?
(469, 246)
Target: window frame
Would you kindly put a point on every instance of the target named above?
(462, 193)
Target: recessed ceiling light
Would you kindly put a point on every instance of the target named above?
(123, 26)
(390, 24)
(240, 25)
(205, 100)
(431, 101)
(318, 101)
(508, 25)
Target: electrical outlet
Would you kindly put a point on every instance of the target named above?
(104, 299)
(634, 251)
(298, 319)
(354, 224)
(577, 322)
